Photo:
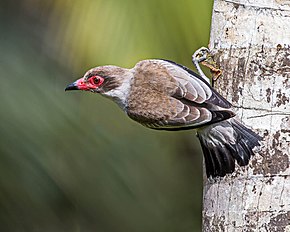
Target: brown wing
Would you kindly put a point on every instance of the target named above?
(192, 80)
(165, 96)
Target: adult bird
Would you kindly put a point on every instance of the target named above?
(163, 95)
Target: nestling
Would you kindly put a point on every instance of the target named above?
(163, 95)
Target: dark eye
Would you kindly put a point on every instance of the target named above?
(96, 80)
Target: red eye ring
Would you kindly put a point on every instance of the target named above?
(96, 80)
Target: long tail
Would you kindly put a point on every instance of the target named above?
(223, 143)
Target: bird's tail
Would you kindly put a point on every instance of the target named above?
(224, 143)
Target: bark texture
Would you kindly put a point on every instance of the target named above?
(250, 40)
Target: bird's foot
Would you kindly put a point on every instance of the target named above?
(203, 56)
(200, 55)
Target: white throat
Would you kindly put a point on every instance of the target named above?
(120, 94)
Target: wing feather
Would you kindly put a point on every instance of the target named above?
(193, 93)
(213, 96)
(185, 112)
(185, 101)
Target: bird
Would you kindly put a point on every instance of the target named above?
(163, 95)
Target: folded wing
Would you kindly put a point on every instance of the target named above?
(184, 101)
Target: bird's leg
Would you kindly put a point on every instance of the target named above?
(203, 56)
(198, 56)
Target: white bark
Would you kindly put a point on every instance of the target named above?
(250, 40)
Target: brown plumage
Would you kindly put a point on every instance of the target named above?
(163, 95)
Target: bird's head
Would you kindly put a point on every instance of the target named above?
(110, 81)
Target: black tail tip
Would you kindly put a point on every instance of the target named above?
(221, 155)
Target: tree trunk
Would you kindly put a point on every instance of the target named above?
(250, 41)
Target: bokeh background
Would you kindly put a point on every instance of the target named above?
(73, 161)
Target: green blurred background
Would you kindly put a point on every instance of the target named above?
(73, 161)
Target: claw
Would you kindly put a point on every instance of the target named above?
(203, 56)
(198, 56)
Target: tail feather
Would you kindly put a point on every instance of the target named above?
(224, 142)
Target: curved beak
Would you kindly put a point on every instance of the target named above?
(72, 86)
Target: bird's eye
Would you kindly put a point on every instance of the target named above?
(96, 80)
